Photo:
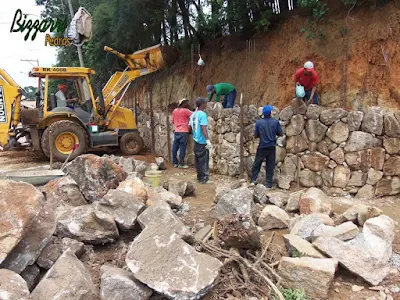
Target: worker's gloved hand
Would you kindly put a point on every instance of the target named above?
(209, 145)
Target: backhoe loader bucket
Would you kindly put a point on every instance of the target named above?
(155, 58)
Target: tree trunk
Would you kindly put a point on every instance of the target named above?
(185, 17)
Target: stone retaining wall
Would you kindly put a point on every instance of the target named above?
(342, 152)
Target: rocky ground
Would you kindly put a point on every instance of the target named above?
(79, 206)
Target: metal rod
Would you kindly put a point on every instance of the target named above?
(168, 125)
(297, 146)
(241, 166)
(153, 142)
(191, 68)
(79, 48)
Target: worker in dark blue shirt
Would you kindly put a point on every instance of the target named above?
(266, 129)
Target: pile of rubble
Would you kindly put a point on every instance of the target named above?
(359, 240)
(45, 233)
(49, 233)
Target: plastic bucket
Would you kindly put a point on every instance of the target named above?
(153, 178)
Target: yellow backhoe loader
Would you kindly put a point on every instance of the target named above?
(89, 123)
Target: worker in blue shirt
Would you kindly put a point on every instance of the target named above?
(266, 129)
(202, 145)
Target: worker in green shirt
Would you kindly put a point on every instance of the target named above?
(222, 89)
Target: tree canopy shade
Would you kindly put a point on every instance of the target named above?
(130, 25)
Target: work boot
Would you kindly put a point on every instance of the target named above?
(183, 167)
(176, 166)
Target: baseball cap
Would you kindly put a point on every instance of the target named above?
(200, 101)
(309, 65)
(62, 86)
(181, 101)
(210, 88)
(267, 109)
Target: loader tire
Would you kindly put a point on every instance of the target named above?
(131, 143)
(64, 135)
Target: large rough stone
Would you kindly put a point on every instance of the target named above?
(12, 286)
(315, 201)
(33, 242)
(354, 120)
(179, 187)
(315, 130)
(314, 111)
(337, 155)
(367, 255)
(314, 275)
(365, 192)
(373, 121)
(31, 275)
(391, 145)
(122, 206)
(289, 166)
(343, 232)
(161, 194)
(273, 217)
(296, 246)
(228, 150)
(322, 147)
(20, 203)
(277, 198)
(357, 178)
(95, 175)
(392, 166)
(295, 126)
(168, 265)
(392, 124)
(286, 114)
(259, 193)
(338, 132)
(315, 161)
(284, 181)
(78, 248)
(361, 140)
(119, 284)
(358, 160)
(237, 231)
(377, 158)
(359, 213)
(162, 215)
(68, 279)
(374, 176)
(388, 187)
(341, 176)
(293, 201)
(63, 191)
(280, 154)
(135, 187)
(88, 225)
(235, 201)
(296, 144)
(306, 225)
(327, 177)
(310, 179)
(50, 254)
(329, 116)
(299, 106)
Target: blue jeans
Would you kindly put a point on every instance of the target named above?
(229, 100)
(180, 143)
(308, 95)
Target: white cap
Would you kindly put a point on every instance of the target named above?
(309, 65)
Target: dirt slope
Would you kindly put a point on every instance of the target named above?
(357, 69)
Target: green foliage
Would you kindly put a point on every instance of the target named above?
(294, 294)
(30, 92)
(297, 253)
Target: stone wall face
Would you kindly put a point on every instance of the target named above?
(341, 152)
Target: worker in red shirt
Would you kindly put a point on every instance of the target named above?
(308, 78)
(180, 120)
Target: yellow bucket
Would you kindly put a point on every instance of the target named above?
(153, 178)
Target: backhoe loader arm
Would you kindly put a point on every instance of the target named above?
(10, 107)
(139, 63)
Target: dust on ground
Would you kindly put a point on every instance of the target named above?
(201, 210)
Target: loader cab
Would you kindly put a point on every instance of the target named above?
(54, 100)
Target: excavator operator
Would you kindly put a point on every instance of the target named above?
(61, 95)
